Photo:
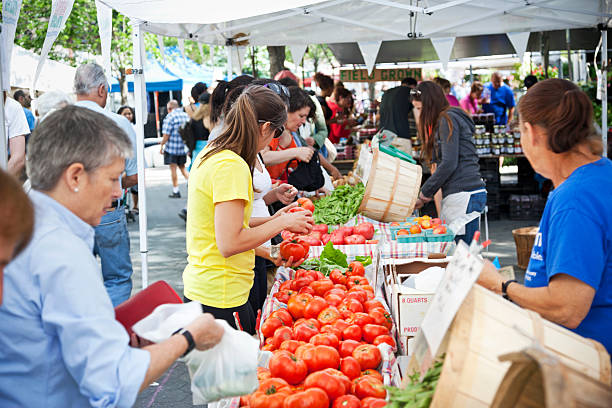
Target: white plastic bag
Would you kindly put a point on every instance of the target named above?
(166, 319)
(229, 369)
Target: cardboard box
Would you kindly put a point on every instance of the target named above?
(408, 305)
(406, 345)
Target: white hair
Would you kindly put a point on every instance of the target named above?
(89, 76)
(50, 101)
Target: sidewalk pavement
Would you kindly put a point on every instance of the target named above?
(167, 258)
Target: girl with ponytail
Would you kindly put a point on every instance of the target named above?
(569, 277)
(221, 236)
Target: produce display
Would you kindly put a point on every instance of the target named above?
(350, 179)
(417, 229)
(340, 206)
(321, 235)
(418, 394)
(324, 343)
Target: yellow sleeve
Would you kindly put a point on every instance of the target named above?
(231, 181)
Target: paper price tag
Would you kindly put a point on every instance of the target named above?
(461, 274)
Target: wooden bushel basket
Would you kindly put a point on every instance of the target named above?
(392, 189)
(538, 379)
(488, 326)
(524, 239)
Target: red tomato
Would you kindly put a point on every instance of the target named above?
(328, 315)
(288, 367)
(350, 367)
(299, 283)
(372, 304)
(284, 315)
(325, 339)
(287, 235)
(310, 398)
(347, 401)
(275, 383)
(355, 269)
(269, 326)
(337, 238)
(328, 328)
(311, 240)
(403, 232)
(301, 350)
(325, 238)
(300, 273)
(322, 286)
(371, 402)
(304, 331)
(294, 248)
(322, 228)
(368, 386)
(344, 310)
(340, 324)
(358, 293)
(284, 295)
(281, 334)
(354, 240)
(333, 299)
(319, 357)
(337, 276)
(372, 331)
(271, 398)
(346, 230)
(341, 375)
(353, 281)
(347, 347)
(263, 373)
(306, 203)
(286, 285)
(297, 209)
(365, 229)
(341, 286)
(384, 338)
(353, 305)
(314, 307)
(373, 373)
(367, 355)
(290, 345)
(353, 332)
(307, 289)
(303, 320)
(331, 384)
(361, 319)
(297, 303)
(381, 317)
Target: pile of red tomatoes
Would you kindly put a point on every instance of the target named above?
(324, 344)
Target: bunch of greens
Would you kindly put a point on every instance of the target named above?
(418, 394)
(332, 258)
(340, 206)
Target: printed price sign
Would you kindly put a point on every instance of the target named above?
(459, 277)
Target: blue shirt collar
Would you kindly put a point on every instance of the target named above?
(79, 227)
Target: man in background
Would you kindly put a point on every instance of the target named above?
(501, 100)
(112, 240)
(25, 100)
(172, 146)
(396, 110)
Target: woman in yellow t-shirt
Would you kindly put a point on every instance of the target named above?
(221, 236)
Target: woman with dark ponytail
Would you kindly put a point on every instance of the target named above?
(217, 100)
(569, 277)
(221, 235)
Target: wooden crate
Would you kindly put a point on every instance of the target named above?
(537, 378)
(488, 326)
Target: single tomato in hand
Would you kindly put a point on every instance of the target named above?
(306, 203)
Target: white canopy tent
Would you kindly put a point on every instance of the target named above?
(303, 22)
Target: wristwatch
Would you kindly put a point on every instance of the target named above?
(504, 287)
(189, 338)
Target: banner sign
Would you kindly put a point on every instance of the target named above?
(378, 75)
(105, 27)
(60, 11)
(10, 15)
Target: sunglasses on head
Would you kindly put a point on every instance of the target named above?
(415, 91)
(280, 90)
(277, 131)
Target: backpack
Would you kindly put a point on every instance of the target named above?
(308, 175)
(188, 135)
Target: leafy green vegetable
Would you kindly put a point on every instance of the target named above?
(417, 394)
(365, 260)
(330, 259)
(340, 206)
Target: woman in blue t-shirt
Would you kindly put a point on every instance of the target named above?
(569, 277)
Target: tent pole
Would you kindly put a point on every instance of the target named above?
(604, 98)
(229, 50)
(3, 136)
(139, 86)
(156, 97)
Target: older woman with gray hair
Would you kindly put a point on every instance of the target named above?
(60, 344)
(51, 101)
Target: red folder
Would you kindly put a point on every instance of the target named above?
(143, 303)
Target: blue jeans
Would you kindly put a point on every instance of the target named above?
(112, 244)
(477, 203)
